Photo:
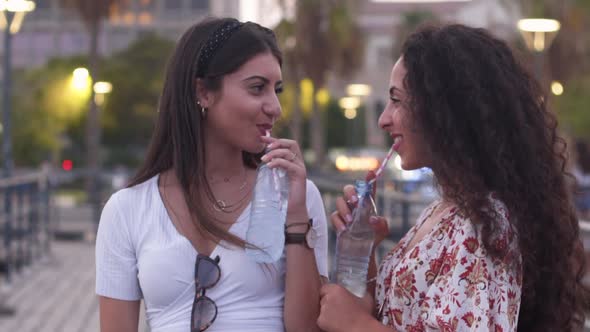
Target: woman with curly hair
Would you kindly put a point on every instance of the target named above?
(500, 250)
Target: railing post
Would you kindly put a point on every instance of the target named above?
(19, 228)
(8, 232)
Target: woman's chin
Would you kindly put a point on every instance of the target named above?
(255, 149)
(409, 166)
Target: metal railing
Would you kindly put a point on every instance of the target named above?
(25, 223)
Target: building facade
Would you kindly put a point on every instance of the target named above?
(381, 21)
(52, 31)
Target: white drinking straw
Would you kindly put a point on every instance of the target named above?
(382, 166)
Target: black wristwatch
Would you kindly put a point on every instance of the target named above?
(308, 238)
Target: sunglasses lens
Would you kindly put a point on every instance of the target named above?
(207, 273)
(204, 313)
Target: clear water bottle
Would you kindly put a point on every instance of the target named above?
(354, 245)
(268, 214)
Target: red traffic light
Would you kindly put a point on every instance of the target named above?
(67, 165)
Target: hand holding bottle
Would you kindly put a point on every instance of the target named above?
(286, 154)
(343, 214)
(278, 198)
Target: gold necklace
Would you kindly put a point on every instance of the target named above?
(221, 205)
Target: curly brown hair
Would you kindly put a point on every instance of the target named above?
(487, 123)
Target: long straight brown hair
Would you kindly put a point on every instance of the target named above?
(178, 140)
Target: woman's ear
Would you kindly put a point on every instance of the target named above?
(204, 95)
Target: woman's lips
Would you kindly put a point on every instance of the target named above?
(263, 129)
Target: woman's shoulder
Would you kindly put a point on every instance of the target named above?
(130, 203)
(495, 208)
(135, 195)
(503, 235)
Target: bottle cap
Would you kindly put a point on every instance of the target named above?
(363, 188)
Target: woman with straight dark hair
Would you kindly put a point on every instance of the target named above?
(500, 250)
(175, 237)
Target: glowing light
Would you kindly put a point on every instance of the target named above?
(306, 95)
(350, 113)
(103, 87)
(81, 79)
(557, 88)
(322, 97)
(17, 6)
(344, 163)
(538, 25)
(538, 33)
(67, 165)
(349, 102)
(361, 90)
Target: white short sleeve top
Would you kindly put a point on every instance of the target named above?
(140, 254)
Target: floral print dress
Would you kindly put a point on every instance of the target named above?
(447, 282)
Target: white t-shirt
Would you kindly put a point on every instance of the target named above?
(140, 254)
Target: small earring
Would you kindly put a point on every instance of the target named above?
(203, 109)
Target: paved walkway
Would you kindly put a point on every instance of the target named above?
(56, 294)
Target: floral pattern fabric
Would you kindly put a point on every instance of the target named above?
(447, 281)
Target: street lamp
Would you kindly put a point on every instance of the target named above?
(556, 88)
(358, 90)
(349, 104)
(100, 90)
(363, 91)
(12, 13)
(538, 33)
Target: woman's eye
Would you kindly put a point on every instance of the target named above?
(394, 100)
(257, 88)
(279, 90)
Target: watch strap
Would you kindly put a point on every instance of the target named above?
(295, 238)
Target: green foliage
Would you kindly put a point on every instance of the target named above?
(44, 107)
(130, 111)
(573, 108)
(49, 117)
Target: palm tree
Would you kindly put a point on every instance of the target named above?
(285, 32)
(92, 14)
(328, 41)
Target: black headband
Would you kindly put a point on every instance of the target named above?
(214, 43)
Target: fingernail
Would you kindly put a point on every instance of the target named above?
(373, 220)
(348, 218)
(270, 146)
(354, 199)
(264, 158)
(342, 228)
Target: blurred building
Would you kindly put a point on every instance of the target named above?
(52, 31)
(382, 22)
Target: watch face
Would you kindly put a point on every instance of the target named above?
(311, 238)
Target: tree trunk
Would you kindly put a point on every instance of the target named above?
(295, 125)
(317, 131)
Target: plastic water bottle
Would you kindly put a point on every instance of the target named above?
(268, 214)
(353, 245)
